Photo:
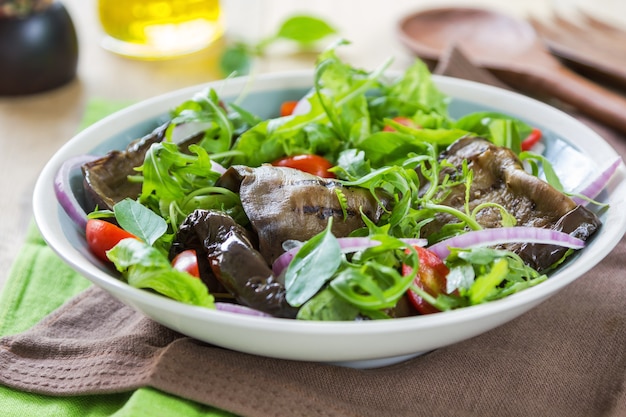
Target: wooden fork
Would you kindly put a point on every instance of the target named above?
(595, 48)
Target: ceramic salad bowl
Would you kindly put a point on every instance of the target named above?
(576, 151)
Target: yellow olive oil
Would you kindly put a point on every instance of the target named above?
(158, 29)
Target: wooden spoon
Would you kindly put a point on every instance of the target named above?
(511, 49)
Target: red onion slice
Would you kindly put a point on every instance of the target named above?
(217, 167)
(239, 309)
(64, 192)
(596, 186)
(501, 235)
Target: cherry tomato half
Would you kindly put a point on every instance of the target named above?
(313, 164)
(403, 121)
(532, 139)
(287, 108)
(431, 278)
(102, 236)
(187, 261)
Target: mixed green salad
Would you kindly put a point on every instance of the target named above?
(355, 130)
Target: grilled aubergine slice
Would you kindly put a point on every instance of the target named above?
(499, 178)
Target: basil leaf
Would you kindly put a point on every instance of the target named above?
(328, 306)
(313, 265)
(304, 30)
(139, 220)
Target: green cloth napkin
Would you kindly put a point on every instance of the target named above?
(32, 291)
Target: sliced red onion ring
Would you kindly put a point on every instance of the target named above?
(64, 191)
(347, 244)
(501, 235)
(217, 167)
(596, 186)
(239, 309)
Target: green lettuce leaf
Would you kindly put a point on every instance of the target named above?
(143, 266)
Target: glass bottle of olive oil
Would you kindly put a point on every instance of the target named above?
(159, 29)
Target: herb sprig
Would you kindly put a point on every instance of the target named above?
(301, 30)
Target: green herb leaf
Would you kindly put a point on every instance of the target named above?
(205, 109)
(416, 85)
(499, 128)
(371, 286)
(144, 266)
(176, 183)
(442, 302)
(139, 220)
(486, 284)
(327, 305)
(314, 264)
(236, 60)
(305, 30)
(372, 280)
(486, 274)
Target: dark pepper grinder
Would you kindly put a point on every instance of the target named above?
(38, 46)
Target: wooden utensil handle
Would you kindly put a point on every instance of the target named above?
(589, 98)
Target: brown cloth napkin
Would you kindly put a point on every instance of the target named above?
(567, 357)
